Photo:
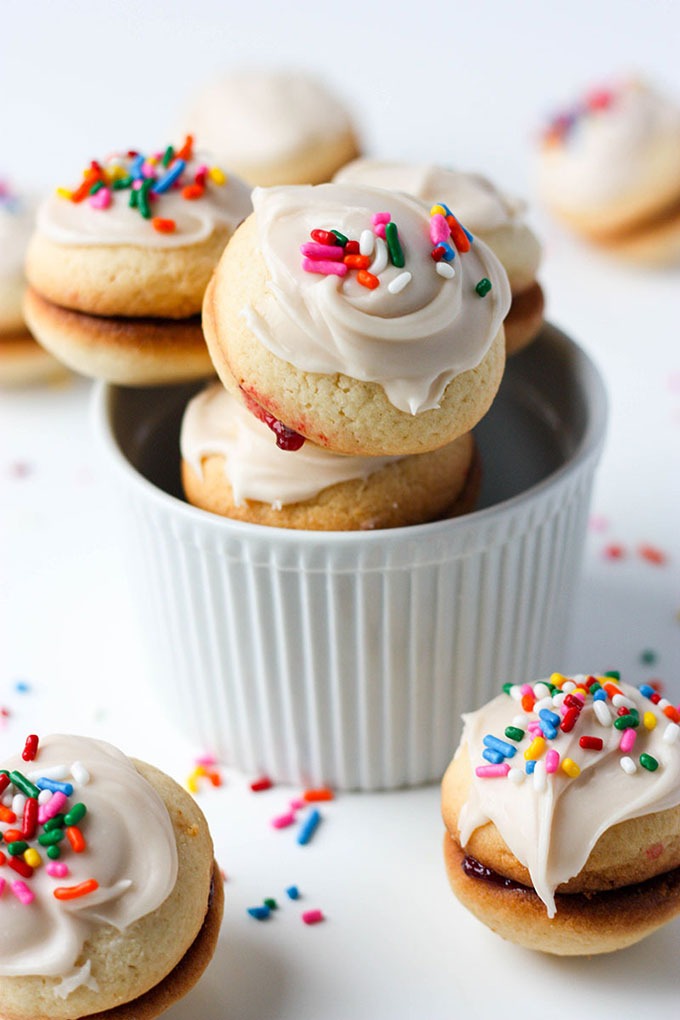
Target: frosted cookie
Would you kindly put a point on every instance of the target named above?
(22, 360)
(110, 899)
(359, 320)
(562, 810)
(274, 127)
(118, 266)
(609, 168)
(496, 218)
(232, 465)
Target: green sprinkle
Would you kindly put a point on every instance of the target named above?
(271, 903)
(97, 186)
(76, 814)
(595, 687)
(507, 688)
(24, 784)
(483, 287)
(341, 239)
(121, 183)
(394, 245)
(648, 762)
(143, 199)
(17, 848)
(51, 838)
(648, 657)
(55, 822)
(627, 722)
(54, 852)
(614, 674)
(168, 155)
(134, 197)
(514, 733)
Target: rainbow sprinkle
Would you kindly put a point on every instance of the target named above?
(562, 124)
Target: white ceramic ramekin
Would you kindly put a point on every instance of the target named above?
(348, 658)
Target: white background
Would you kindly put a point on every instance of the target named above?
(463, 83)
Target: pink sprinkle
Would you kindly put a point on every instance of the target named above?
(52, 807)
(552, 760)
(598, 523)
(526, 689)
(627, 740)
(380, 217)
(492, 771)
(323, 251)
(324, 267)
(281, 821)
(22, 893)
(57, 869)
(2, 886)
(206, 760)
(439, 229)
(312, 916)
(297, 803)
(379, 231)
(101, 199)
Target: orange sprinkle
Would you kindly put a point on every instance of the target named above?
(671, 712)
(367, 279)
(652, 555)
(7, 815)
(187, 150)
(357, 261)
(323, 793)
(13, 835)
(163, 226)
(460, 238)
(83, 189)
(528, 702)
(73, 892)
(193, 191)
(612, 689)
(76, 839)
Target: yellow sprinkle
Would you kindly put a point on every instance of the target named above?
(192, 779)
(580, 690)
(65, 193)
(32, 857)
(535, 749)
(571, 768)
(649, 719)
(557, 679)
(217, 176)
(438, 209)
(152, 160)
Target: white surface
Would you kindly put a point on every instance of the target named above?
(471, 84)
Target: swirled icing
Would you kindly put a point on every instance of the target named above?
(215, 422)
(497, 218)
(131, 852)
(614, 144)
(413, 342)
(551, 830)
(82, 223)
(253, 116)
(16, 223)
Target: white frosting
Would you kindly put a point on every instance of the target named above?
(216, 423)
(611, 152)
(413, 342)
(79, 223)
(552, 832)
(16, 224)
(131, 852)
(255, 116)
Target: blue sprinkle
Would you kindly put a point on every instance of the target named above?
(54, 786)
(259, 913)
(293, 892)
(467, 233)
(496, 744)
(22, 687)
(549, 732)
(166, 182)
(552, 718)
(136, 167)
(646, 690)
(449, 252)
(495, 757)
(600, 695)
(529, 767)
(308, 827)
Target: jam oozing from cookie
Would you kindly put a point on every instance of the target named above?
(286, 439)
(475, 869)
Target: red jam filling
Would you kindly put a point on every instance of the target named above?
(475, 869)
(286, 439)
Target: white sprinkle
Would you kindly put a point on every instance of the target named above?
(621, 701)
(516, 776)
(543, 703)
(44, 796)
(558, 699)
(399, 282)
(53, 772)
(521, 720)
(540, 778)
(515, 692)
(628, 765)
(7, 799)
(80, 773)
(366, 242)
(662, 703)
(671, 733)
(604, 716)
(445, 269)
(568, 686)
(380, 261)
(18, 804)
(542, 690)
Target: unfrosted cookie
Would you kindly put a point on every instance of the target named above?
(495, 217)
(274, 127)
(137, 239)
(361, 343)
(22, 360)
(563, 814)
(231, 465)
(111, 900)
(609, 168)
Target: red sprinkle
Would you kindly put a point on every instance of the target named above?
(569, 720)
(163, 226)
(192, 191)
(591, 743)
(652, 555)
(29, 821)
(31, 748)
(352, 248)
(19, 865)
(258, 785)
(324, 237)
(438, 253)
(4, 781)
(614, 552)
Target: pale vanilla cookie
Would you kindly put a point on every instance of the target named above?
(562, 811)
(111, 901)
(138, 239)
(274, 127)
(496, 218)
(22, 360)
(609, 168)
(361, 343)
(232, 465)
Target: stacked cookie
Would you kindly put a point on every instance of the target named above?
(354, 322)
(118, 265)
